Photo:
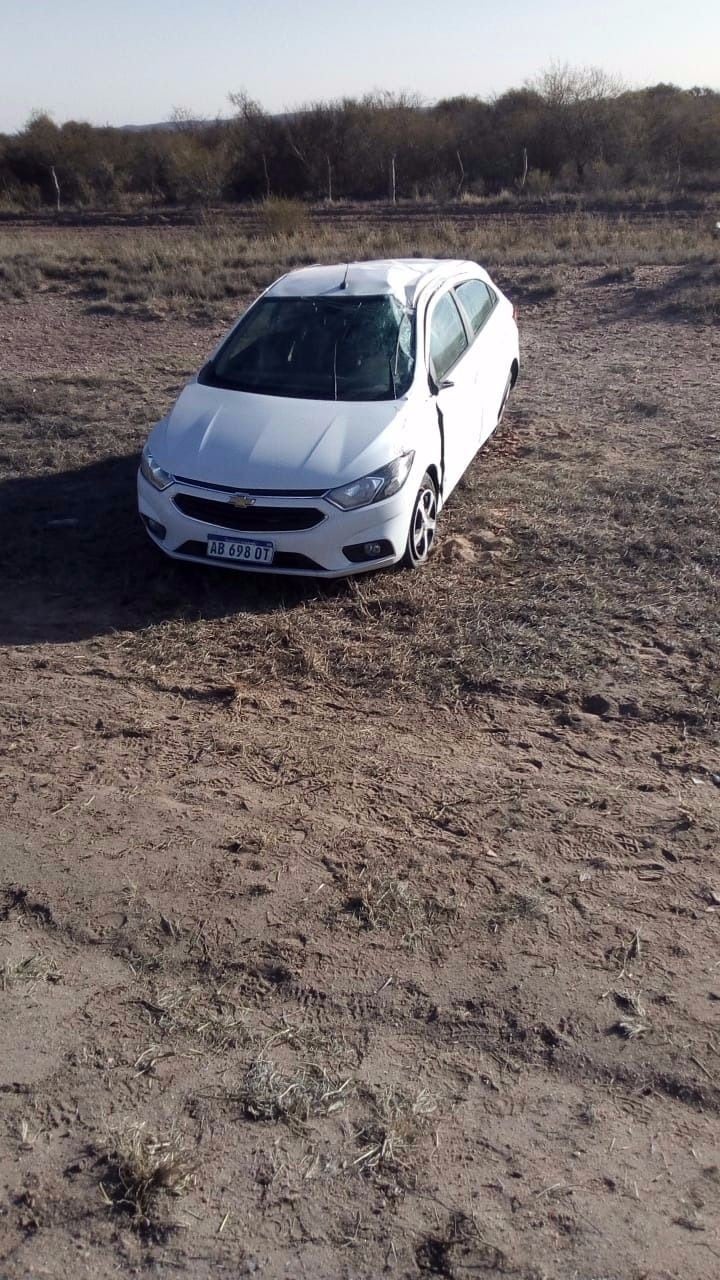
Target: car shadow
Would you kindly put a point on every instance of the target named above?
(76, 563)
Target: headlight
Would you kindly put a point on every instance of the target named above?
(380, 484)
(155, 475)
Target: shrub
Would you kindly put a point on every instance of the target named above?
(539, 183)
(283, 217)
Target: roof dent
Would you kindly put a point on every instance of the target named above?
(401, 278)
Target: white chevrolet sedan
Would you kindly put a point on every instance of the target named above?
(330, 426)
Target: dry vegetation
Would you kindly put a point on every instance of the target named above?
(140, 1166)
(366, 926)
(156, 272)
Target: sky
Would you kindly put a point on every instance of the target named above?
(133, 61)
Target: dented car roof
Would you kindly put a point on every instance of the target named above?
(400, 278)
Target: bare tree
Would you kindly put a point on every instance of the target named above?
(184, 120)
(577, 101)
(256, 125)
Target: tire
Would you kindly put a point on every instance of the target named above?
(423, 525)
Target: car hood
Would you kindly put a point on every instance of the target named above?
(273, 442)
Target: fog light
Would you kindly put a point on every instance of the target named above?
(155, 527)
(362, 551)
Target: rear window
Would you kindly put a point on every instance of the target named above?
(477, 300)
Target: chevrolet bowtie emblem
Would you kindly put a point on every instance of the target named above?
(241, 500)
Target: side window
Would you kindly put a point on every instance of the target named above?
(477, 300)
(447, 336)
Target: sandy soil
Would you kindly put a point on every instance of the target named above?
(419, 973)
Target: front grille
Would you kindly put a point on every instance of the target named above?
(282, 560)
(257, 493)
(248, 519)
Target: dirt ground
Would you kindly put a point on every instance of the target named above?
(370, 928)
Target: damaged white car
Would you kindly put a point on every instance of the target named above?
(330, 426)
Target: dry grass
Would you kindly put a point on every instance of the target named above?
(30, 970)
(282, 217)
(299, 1036)
(153, 273)
(142, 1166)
(269, 1093)
(629, 1003)
(530, 908)
(28, 1134)
(394, 905)
(208, 1016)
(394, 1124)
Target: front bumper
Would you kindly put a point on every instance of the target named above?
(316, 552)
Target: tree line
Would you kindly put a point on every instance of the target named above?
(568, 130)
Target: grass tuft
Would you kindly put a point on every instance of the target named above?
(396, 1121)
(268, 1093)
(141, 1166)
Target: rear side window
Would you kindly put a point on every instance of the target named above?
(447, 336)
(477, 301)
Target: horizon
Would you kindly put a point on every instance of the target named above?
(229, 114)
(80, 70)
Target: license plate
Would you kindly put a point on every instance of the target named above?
(241, 550)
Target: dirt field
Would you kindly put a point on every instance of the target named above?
(370, 928)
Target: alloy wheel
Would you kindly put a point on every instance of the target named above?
(424, 523)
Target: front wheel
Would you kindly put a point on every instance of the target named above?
(423, 524)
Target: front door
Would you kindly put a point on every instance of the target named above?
(452, 368)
